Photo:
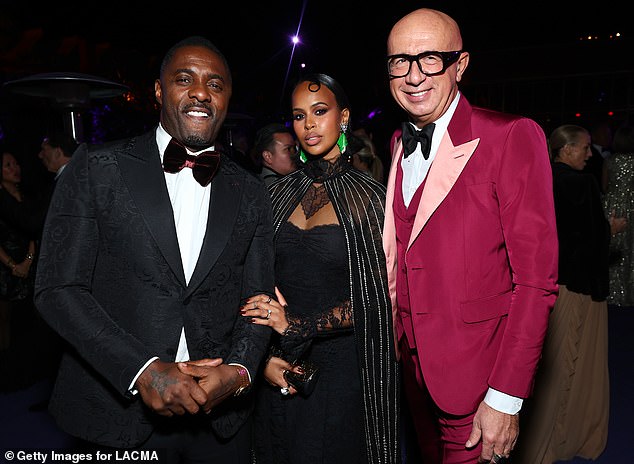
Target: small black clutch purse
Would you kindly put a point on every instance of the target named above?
(305, 382)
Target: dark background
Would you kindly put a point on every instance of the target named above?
(530, 58)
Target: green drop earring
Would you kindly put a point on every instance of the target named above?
(342, 141)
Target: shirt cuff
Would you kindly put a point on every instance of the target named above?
(133, 391)
(502, 402)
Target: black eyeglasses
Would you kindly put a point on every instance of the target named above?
(429, 63)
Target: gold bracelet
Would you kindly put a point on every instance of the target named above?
(244, 381)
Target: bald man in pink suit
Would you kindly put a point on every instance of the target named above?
(471, 246)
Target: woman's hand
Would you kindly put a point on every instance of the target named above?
(264, 310)
(274, 374)
(617, 224)
(21, 270)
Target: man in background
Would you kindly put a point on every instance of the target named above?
(275, 150)
(56, 151)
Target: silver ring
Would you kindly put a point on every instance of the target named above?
(285, 391)
(496, 458)
(268, 314)
(269, 300)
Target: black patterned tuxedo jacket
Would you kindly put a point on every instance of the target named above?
(110, 281)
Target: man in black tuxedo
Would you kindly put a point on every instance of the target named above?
(144, 267)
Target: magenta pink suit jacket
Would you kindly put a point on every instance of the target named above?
(482, 258)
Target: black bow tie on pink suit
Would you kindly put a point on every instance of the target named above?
(204, 165)
(412, 137)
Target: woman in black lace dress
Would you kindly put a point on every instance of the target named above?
(333, 307)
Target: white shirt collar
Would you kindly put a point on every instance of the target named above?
(59, 171)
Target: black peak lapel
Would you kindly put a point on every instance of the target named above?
(142, 172)
(226, 192)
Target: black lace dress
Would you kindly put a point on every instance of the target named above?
(333, 277)
(327, 426)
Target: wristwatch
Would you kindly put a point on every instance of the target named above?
(244, 380)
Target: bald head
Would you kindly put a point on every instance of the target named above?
(425, 25)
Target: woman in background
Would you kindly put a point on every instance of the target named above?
(17, 251)
(619, 201)
(567, 415)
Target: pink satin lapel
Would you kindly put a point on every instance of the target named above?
(445, 170)
(443, 174)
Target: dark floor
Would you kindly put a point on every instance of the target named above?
(25, 380)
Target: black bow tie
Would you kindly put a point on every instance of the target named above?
(204, 166)
(411, 138)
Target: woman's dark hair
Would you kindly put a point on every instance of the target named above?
(623, 141)
(316, 80)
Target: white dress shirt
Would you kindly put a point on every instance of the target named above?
(190, 204)
(415, 168)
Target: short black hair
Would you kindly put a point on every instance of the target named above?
(264, 139)
(63, 141)
(264, 135)
(194, 41)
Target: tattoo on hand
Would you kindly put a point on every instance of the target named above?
(160, 381)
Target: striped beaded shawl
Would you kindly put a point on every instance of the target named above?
(359, 202)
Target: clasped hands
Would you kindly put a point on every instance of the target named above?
(178, 388)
